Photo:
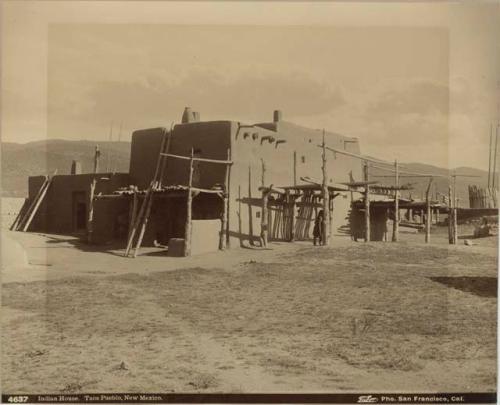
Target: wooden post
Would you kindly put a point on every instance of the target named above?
(138, 219)
(326, 198)
(428, 220)
(450, 216)
(367, 204)
(163, 165)
(437, 215)
(148, 200)
(294, 167)
(188, 225)
(97, 155)
(292, 218)
(225, 209)
(144, 222)
(90, 219)
(133, 212)
(494, 168)
(455, 204)
(395, 226)
(489, 160)
(264, 224)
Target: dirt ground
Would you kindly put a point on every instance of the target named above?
(294, 318)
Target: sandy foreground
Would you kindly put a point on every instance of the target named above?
(293, 318)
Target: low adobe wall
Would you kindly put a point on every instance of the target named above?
(205, 236)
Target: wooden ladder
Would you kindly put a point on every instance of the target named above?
(28, 216)
(142, 218)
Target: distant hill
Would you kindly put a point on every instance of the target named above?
(439, 185)
(19, 161)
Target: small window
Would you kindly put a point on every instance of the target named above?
(303, 159)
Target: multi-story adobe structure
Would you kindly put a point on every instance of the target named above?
(277, 153)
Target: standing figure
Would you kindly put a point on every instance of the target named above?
(318, 228)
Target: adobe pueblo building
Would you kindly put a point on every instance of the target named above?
(202, 186)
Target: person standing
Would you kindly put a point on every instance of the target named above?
(318, 228)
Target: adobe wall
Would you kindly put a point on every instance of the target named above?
(211, 139)
(55, 214)
(248, 152)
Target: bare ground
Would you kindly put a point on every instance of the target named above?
(296, 318)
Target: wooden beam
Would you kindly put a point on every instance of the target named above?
(206, 190)
(225, 162)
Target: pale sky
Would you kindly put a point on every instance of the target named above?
(413, 81)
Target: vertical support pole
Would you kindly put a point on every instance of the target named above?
(189, 207)
(225, 211)
(90, 218)
(294, 167)
(326, 198)
(495, 161)
(264, 220)
(292, 218)
(139, 216)
(395, 226)
(437, 215)
(489, 156)
(455, 205)
(428, 219)
(97, 156)
(450, 216)
(133, 213)
(145, 221)
(367, 204)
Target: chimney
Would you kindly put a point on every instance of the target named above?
(76, 167)
(97, 155)
(277, 116)
(190, 116)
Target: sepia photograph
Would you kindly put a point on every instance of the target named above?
(249, 201)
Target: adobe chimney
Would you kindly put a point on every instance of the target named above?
(97, 155)
(76, 167)
(277, 116)
(188, 116)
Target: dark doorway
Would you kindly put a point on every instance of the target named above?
(79, 211)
